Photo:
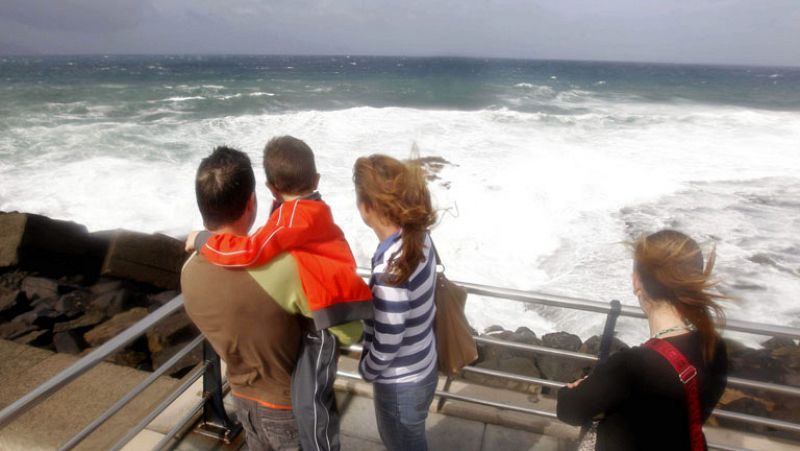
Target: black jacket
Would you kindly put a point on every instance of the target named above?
(642, 401)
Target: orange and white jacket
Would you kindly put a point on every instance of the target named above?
(303, 227)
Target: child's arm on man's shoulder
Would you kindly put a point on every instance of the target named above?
(234, 251)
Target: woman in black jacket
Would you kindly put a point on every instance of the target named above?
(636, 393)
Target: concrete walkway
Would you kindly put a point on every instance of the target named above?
(458, 426)
(57, 419)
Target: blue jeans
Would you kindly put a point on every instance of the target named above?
(401, 411)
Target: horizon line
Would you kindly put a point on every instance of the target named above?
(442, 56)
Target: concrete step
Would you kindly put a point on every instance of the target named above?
(66, 412)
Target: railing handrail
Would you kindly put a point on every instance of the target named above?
(92, 359)
(67, 375)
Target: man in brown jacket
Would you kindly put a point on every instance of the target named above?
(236, 310)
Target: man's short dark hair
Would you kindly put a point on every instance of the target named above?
(224, 183)
(289, 164)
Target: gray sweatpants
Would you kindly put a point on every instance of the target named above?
(313, 398)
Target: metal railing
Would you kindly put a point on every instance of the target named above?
(213, 413)
(215, 421)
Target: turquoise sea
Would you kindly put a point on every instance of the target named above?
(554, 164)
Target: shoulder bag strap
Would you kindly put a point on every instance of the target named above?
(688, 377)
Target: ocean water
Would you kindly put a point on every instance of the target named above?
(553, 165)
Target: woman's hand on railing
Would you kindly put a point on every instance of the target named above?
(574, 384)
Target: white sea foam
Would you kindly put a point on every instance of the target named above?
(532, 201)
(183, 99)
(260, 94)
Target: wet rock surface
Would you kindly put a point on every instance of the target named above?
(69, 291)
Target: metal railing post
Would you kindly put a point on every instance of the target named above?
(446, 389)
(215, 421)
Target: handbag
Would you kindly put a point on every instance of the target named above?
(455, 344)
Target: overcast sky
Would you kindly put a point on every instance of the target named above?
(692, 31)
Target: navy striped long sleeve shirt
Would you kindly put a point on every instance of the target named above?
(399, 343)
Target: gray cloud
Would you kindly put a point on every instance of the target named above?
(695, 31)
(75, 15)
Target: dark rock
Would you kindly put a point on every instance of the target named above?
(35, 338)
(175, 329)
(12, 303)
(493, 329)
(748, 406)
(757, 364)
(40, 288)
(733, 346)
(562, 340)
(779, 342)
(114, 302)
(68, 342)
(89, 319)
(75, 301)
(48, 246)
(162, 298)
(111, 328)
(14, 329)
(12, 280)
(560, 368)
(130, 357)
(106, 285)
(592, 345)
(153, 259)
(188, 361)
(525, 335)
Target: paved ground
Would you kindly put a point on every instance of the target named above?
(459, 426)
(50, 424)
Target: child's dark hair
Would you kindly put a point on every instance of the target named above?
(289, 165)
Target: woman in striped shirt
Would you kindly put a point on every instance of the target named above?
(399, 344)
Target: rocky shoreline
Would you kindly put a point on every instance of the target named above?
(778, 362)
(65, 289)
(68, 290)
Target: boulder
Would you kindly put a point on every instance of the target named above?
(493, 329)
(592, 345)
(557, 368)
(111, 328)
(85, 321)
(12, 303)
(48, 246)
(152, 259)
(12, 280)
(131, 358)
(106, 285)
(159, 299)
(177, 328)
(779, 342)
(40, 288)
(187, 362)
(748, 406)
(15, 329)
(757, 364)
(114, 302)
(76, 301)
(68, 342)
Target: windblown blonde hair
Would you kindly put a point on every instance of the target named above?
(398, 192)
(671, 269)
